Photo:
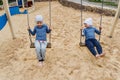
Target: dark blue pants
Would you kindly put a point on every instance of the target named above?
(92, 44)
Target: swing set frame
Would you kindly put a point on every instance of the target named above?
(6, 8)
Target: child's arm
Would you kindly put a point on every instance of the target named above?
(48, 30)
(83, 32)
(98, 31)
(32, 32)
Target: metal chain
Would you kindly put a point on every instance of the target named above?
(81, 19)
(50, 19)
(30, 38)
(101, 17)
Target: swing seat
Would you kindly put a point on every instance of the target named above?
(32, 45)
(82, 44)
(48, 45)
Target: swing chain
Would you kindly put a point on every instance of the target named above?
(101, 20)
(81, 30)
(30, 38)
(50, 20)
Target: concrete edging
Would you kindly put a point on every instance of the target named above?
(107, 12)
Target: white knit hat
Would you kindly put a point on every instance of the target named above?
(39, 18)
(89, 21)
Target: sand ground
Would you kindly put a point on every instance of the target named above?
(65, 60)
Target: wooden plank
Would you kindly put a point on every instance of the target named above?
(23, 4)
(115, 21)
(33, 1)
(17, 2)
(6, 8)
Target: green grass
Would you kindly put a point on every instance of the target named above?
(107, 3)
(1, 3)
(95, 1)
(111, 3)
(10, 1)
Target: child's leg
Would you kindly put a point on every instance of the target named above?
(90, 46)
(37, 47)
(98, 46)
(43, 49)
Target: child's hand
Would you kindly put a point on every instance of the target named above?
(28, 28)
(82, 27)
(50, 28)
(100, 28)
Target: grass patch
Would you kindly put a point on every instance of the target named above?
(107, 3)
(1, 2)
(10, 1)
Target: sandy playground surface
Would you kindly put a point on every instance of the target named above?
(65, 60)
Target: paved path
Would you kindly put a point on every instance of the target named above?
(86, 2)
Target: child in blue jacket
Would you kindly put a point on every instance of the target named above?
(40, 31)
(90, 40)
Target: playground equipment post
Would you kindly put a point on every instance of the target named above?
(6, 8)
(115, 21)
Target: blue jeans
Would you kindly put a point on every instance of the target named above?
(40, 47)
(91, 44)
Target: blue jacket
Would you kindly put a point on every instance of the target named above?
(90, 32)
(40, 32)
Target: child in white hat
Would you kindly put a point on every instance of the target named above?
(40, 31)
(90, 40)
